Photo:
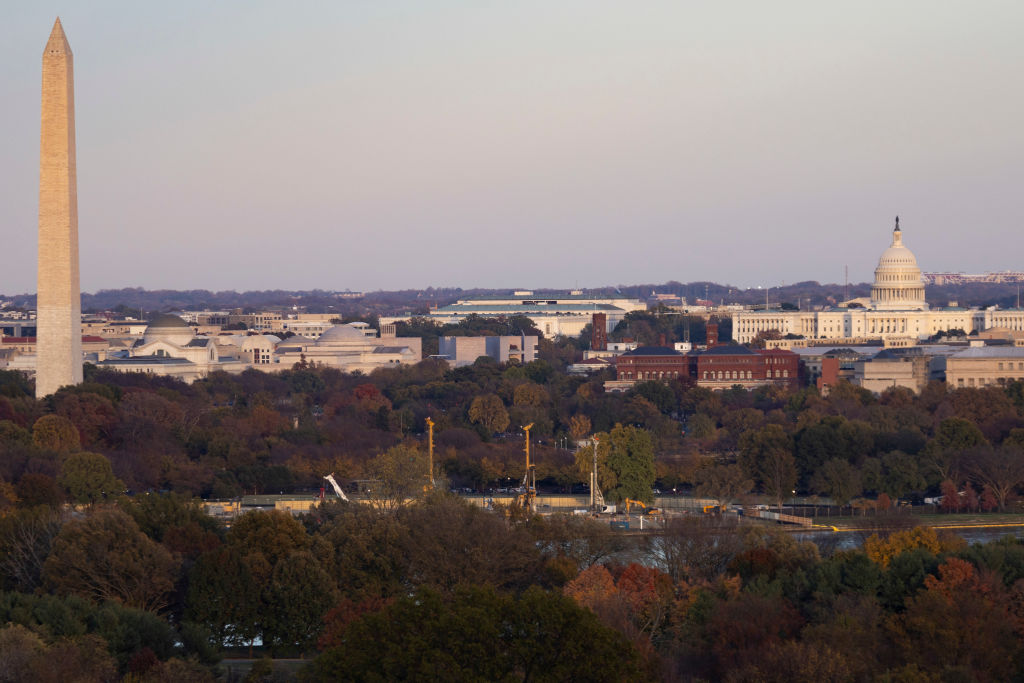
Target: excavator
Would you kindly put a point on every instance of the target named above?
(647, 511)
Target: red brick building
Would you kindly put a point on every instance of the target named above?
(646, 363)
(722, 367)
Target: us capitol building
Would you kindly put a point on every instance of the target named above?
(896, 314)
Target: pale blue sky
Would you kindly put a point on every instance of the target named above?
(383, 145)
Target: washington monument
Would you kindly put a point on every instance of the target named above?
(59, 304)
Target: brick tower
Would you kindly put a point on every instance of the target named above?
(59, 303)
(712, 335)
(599, 332)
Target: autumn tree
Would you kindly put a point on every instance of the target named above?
(883, 550)
(399, 474)
(579, 426)
(489, 412)
(959, 627)
(55, 433)
(529, 394)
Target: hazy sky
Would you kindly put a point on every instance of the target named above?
(380, 144)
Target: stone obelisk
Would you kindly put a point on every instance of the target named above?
(59, 304)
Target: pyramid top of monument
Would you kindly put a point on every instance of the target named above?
(58, 42)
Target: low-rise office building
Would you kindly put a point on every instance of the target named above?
(982, 366)
(462, 351)
(554, 315)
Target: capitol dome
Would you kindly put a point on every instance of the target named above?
(168, 328)
(898, 285)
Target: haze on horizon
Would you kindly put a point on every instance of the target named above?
(254, 145)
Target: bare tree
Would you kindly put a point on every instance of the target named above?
(696, 547)
(1001, 470)
(27, 540)
(724, 483)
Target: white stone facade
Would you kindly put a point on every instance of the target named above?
(897, 310)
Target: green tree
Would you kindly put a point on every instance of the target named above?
(88, 478)
(478, 634)
(953, 438)
(767, 456)
(838, 480)
(701, 426)
(631, 460)
(13, 435)
(105, 557)
(224, 597)
(659, 394)
(832, 437)
(296, 599)
(900, 474)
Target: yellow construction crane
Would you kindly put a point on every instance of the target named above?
(529, 497)
(430, 454)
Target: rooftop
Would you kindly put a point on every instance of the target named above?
(991, 352)
(524, 307)
(652, 351)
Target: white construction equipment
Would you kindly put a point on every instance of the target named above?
(337, 489)
(597, 503)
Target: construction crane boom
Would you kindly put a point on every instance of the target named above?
(430, 453)
(529, 497)
(337, 489)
